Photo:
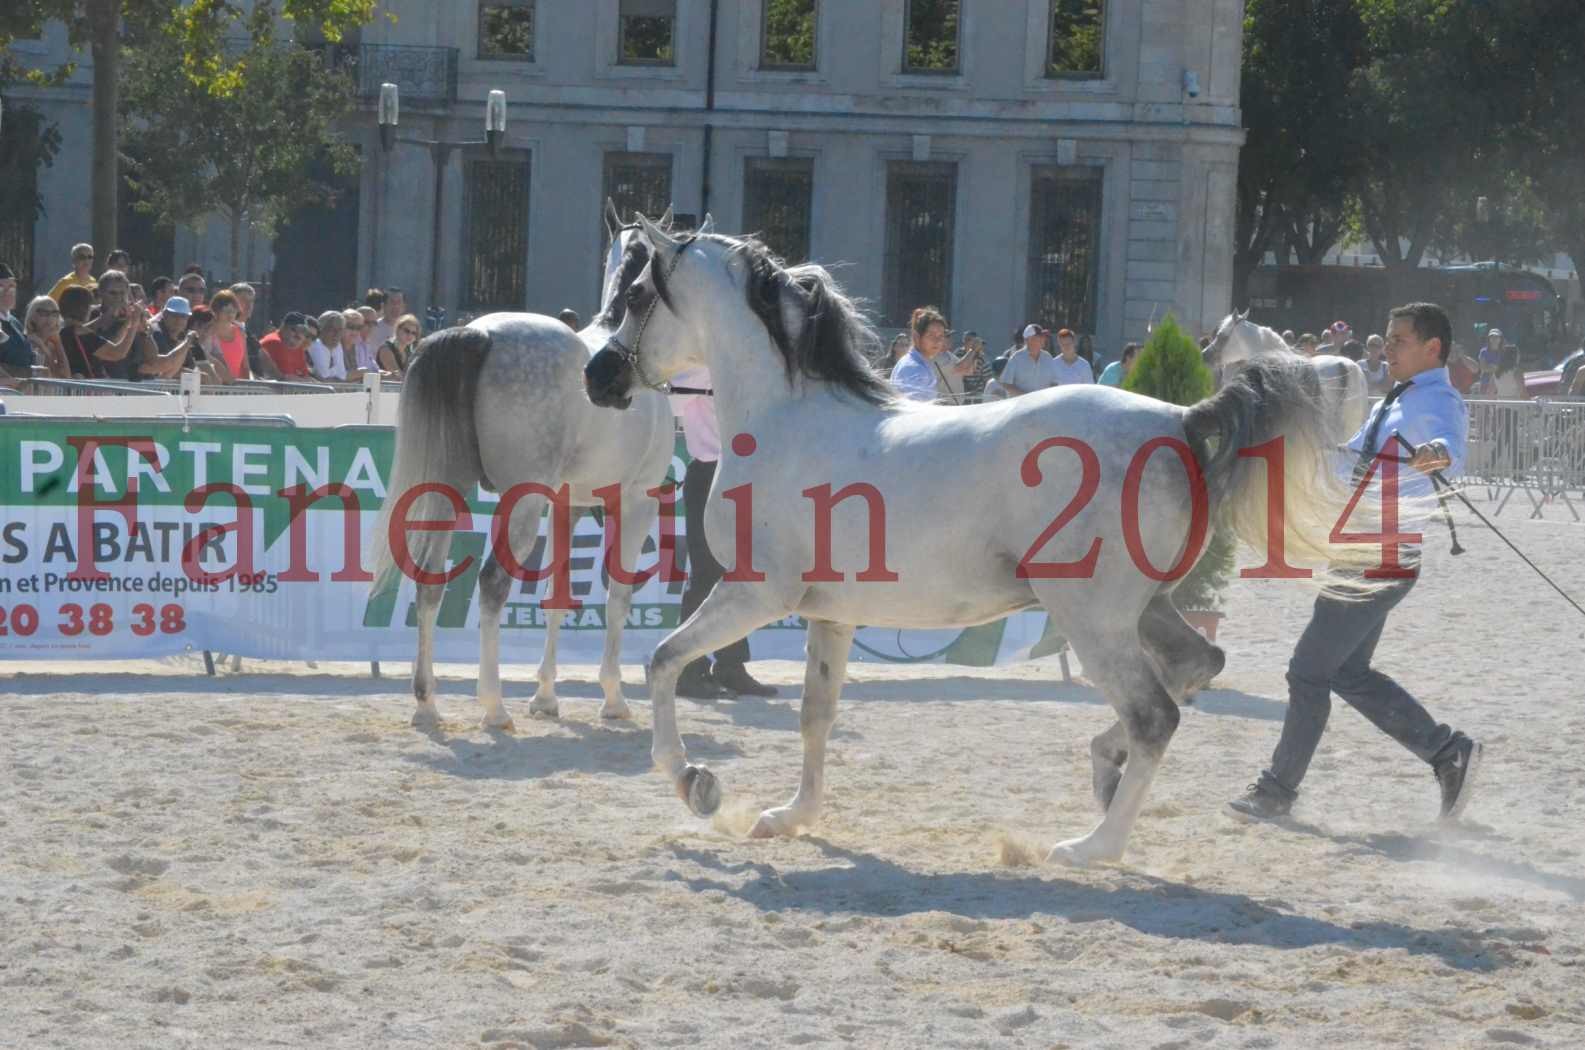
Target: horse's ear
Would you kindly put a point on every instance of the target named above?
(656, 235)
(667, 219)
(708, 226)
(1244, 316)
(613, 221)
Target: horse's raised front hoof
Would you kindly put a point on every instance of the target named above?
(426, 716)
(782, 822)
(700, 789)
(1081, 853)
(544, 707)
(617, 712)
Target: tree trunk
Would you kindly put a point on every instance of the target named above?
(104, 22)
(236, 244)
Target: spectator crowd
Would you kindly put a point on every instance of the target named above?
(108, 327)
(923, 366)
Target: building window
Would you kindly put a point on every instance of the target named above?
(506, 29)
(789, 35)
(648, 30)
(931, 36)
(636, 182)
(495, 209)
(776, 204)
(920, 204)
(1064, 246)
(1077, 36)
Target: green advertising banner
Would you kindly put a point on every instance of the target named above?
(133, 538)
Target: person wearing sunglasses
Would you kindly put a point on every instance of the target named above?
(43, 328)
(354, 350)
(82, 272)
(393, 355)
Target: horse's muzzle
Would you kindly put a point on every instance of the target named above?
(608, 378)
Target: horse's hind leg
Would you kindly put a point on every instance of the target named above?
(637, 515)
(1108, 752)
(1185, 661)
(495, 584)
(824, 673)
(432, 558)
(1149, 717)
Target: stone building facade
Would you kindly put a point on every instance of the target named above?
(934, 150)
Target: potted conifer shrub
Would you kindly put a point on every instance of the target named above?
(1169, 368)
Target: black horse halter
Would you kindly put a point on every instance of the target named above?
(630, 354)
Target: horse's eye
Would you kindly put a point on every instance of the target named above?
(635, 294)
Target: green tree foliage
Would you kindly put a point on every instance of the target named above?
(200, 26)
(27, 143)
(1169, 368)
(248, 154)
(1076, 35)
(932, 44)
(1387, 120)
(1300, 159)
(790, 33)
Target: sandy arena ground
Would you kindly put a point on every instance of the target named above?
(275, 859)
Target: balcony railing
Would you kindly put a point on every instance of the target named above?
(426, 76)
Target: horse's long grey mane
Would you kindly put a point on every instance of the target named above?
(819, 331)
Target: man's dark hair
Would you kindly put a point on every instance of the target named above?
(118, 253)
(569, 317)
(192, 268)
(1129, 350)
(159, 284)
(1354, 350)
(76, 301)
(923, 318)
(374, 297)
(392, 292)
(1429, 321)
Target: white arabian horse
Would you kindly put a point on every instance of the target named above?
(500, 402)
(1238, 339)
(1080, 488)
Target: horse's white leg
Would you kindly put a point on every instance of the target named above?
(730, 612)
(824, 673)
(1108, 752)
(638, 513)
(1185, 661)
(427, 715)
(544, 704)
(495, 584)
(1149, 716)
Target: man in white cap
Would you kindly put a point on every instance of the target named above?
(1032, 368)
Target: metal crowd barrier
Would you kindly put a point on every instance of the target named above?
(1534, 447)
(86, 387)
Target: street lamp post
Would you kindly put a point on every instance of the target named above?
(388, 117)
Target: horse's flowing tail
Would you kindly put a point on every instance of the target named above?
(1283, 396)
(436, 440)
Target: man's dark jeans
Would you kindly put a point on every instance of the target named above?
(703, 569)
(1333, 655)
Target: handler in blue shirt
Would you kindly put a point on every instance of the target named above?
(1334, 652)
